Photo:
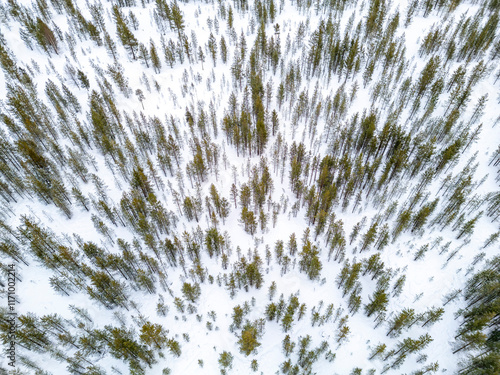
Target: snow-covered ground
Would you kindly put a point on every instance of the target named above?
(195, 86)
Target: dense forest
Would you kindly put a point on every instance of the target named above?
(235, 187)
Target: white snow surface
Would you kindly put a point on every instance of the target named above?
(427, 280)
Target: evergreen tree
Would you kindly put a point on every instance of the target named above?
(201, 56)
(155, 60)
(223, 49)
(153, 335)
(369, 237)
(378, 351)
(45, 36)
(177, 19)
(249, 221)
(288, 346)
(212, 47)
(398, 286)
(400, 321)
(226, 360)
(191, 292)
(122, 344)
(126, 36)
(378, 303)
(106, 290)
(309, 260)
(432, 316)
(248, 340)
(480, 326)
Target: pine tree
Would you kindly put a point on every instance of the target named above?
(342, 334)
(212, 47)
(491, 239)
(373, 265)
(374, 20)
(402, 223)
(274, 122)
(223, 49)
(479, 329)
(201, 56)
(354, 233)
(191, 292)
(122, 345)
(432, 316)
(484, 364)
(153, 335)
(254, 365)
(107, 290)
(288, 346)
(155, 60)
(226, 360)
(398, 286)
(174, 347)
(369, 237)
(377, 303)
(126, 36)
(143, 54)
(224, 209)
(238, 314)
(286, 322)
(309, 261)
(141, 182)
(378, 351)
(351, 280)
(400, 321)
(249, 221)
(292, 245)
(177, 19)
(354, 302)
(468, 227)
(421, 252)
(421, 217)
(140, 96)
(248, 340)
(409, 345)
(45, 36)
(80, 198)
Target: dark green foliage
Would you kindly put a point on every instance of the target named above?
(248, 340)
(348, 278)
(309, 261)
(373, 265)
(226, 360)
(378, 351)
(45, 36)
(378, 303)
(212, 47)
(421, 217)
(106, 290)
(153, 335)
(191, 292)
(405, 347)
(248, 273)
(432, 316)
(401, 321)
(249, 221)
(176, 19)
(371, 130)
(223, 49)
(479, 330)
(126, 36)
(376, 15)
(155, 59)
(122, 344)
